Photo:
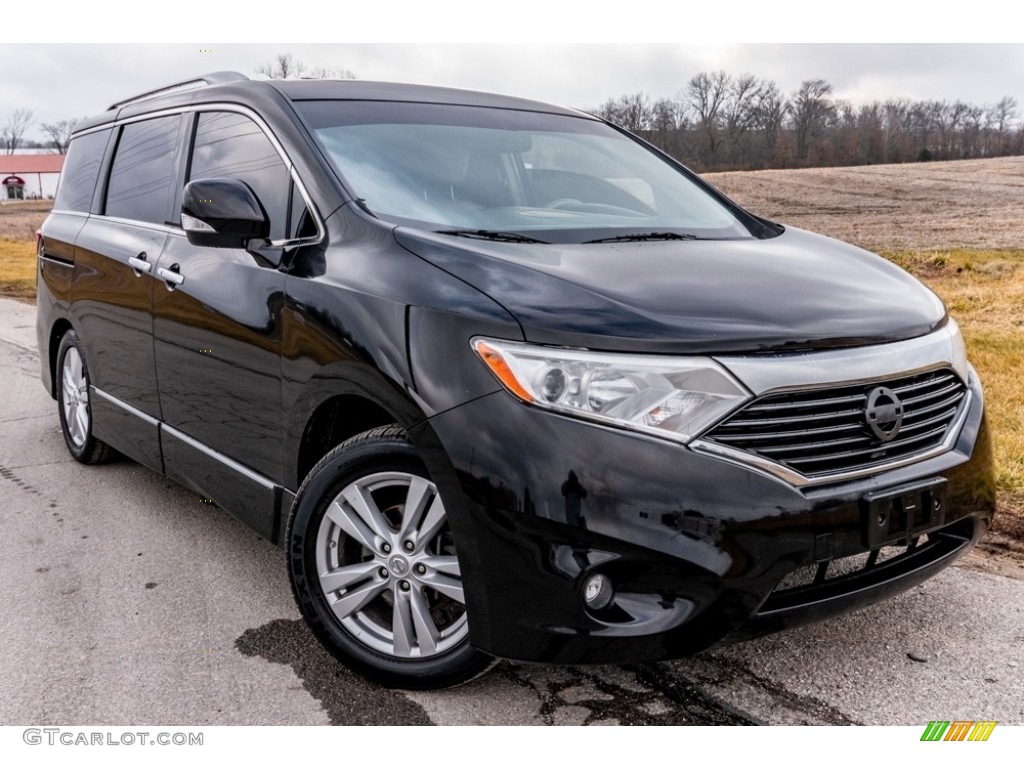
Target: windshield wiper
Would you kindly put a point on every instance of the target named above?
(637, 237)
(487, 234)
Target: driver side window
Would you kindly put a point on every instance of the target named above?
(229, 145)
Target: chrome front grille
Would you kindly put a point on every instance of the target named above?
(822, 432)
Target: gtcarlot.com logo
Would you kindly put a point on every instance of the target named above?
(958, 730)
(72, 738)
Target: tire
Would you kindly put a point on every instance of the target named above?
(74, 405)
(373, 568)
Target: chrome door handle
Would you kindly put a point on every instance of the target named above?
(171, 276)
(139, 264)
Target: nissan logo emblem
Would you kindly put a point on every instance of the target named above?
(884, 413)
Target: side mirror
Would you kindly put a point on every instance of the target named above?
(222, 213)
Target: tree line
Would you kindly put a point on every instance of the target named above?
(718, 121)
(14, 127)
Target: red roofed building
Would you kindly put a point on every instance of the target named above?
(26, 177)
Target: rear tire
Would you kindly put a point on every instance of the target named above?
(373, 566)
(74, 403)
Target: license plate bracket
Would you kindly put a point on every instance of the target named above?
(897, 515)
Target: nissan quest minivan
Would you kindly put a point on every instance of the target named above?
(501, 379)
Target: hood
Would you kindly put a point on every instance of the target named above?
(795, 291)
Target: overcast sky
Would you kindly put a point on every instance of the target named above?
(62, 81)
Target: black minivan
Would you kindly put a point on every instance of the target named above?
(502, 379)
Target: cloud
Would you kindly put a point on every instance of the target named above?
(61, 81)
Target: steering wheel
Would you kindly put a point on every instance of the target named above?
(561, 203)
(569, 203)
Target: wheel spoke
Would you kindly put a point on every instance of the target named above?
(347, 575)
(69, 381)
(352, 524)
(76, 369)
(82, 423)
(432, 523)
(357, 598)
(426, 631)
(415, 503)
(401, 623)
(446, 585)
(364, 506)
(446, 564)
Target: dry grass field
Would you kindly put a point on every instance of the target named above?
(17, 269)
(20, 220)
(967, 204)
(959, 226)
(18, 224)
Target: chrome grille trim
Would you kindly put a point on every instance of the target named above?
(813, 447)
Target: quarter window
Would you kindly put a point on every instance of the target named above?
(141, 176)
(81, 169)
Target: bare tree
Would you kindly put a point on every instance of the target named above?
(921, 128)
(635, 112)
(739, 115)
(706, 94)
(608, 111)
(842, 147)
(812, 110)
(896, 131)
(769, 114)
(289, 67)
(331, 73)
(14, 129)
(1000, 117)
(972, 134)
(947, 119)
(871, 133)
(285, 68)
(60, 134)
(632, 112)
(668, 121)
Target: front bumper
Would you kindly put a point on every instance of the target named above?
(696, 546)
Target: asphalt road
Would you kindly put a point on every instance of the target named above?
(127, 600)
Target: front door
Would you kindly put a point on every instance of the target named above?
(217, 330)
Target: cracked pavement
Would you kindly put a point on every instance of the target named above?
(130, 601)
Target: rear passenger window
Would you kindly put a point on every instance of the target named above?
(141, 177)
(80, 171)
(232, 146)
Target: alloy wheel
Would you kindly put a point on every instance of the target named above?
(387, 567)
(75, 395)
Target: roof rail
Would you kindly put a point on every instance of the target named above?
(196, 82)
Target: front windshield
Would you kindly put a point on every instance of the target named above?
(552, 178)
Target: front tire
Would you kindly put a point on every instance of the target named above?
(73, 397)
(373, 566)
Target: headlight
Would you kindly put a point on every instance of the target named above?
(674, 397)
(959, 349)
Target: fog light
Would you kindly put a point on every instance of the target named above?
(597, 592)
